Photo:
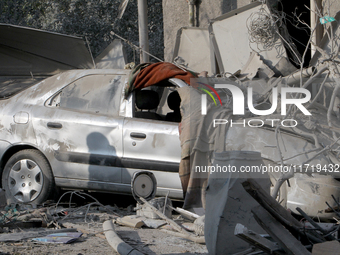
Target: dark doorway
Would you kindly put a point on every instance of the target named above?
(300, 33)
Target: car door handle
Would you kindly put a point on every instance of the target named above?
(138, 135)
(54, 125)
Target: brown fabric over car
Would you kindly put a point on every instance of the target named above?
(147, 74)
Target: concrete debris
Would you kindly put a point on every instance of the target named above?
(169, 226)
(133, 221)
(326, 248)
(164, 217)
(80, 221)
(199, 226)
(186, 214)
(151, 223)
(189, 226)
(52, 223)
(145, 210)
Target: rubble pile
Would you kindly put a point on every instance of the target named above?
(27, 226)
(301, 140)
(295, 210)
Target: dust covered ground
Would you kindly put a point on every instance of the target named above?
(89, 222)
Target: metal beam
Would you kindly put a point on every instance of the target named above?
(143, 30)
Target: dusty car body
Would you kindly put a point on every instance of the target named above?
(75, 130)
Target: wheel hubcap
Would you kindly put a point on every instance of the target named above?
(25, 180)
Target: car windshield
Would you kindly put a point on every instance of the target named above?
(9, 86)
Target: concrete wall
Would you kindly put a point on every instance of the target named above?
(176, 15)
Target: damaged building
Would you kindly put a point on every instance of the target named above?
(243, 46)
(240, 122)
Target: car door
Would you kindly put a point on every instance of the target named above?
(81, 127)
(152, 145)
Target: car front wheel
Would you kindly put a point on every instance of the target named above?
(27, 178)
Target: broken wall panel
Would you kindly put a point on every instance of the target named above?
(232, 45)
(193, 46)
(40, 51)
(112, 57)
(227, 203)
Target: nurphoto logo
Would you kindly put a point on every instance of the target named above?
(204, 97)
(301, 97)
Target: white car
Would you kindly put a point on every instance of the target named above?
(75, 130)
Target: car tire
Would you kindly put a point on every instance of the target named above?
(27, 178)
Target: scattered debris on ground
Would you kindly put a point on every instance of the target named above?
(95, 228)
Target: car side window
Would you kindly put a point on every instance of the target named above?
(98, 94)
(158, 103)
